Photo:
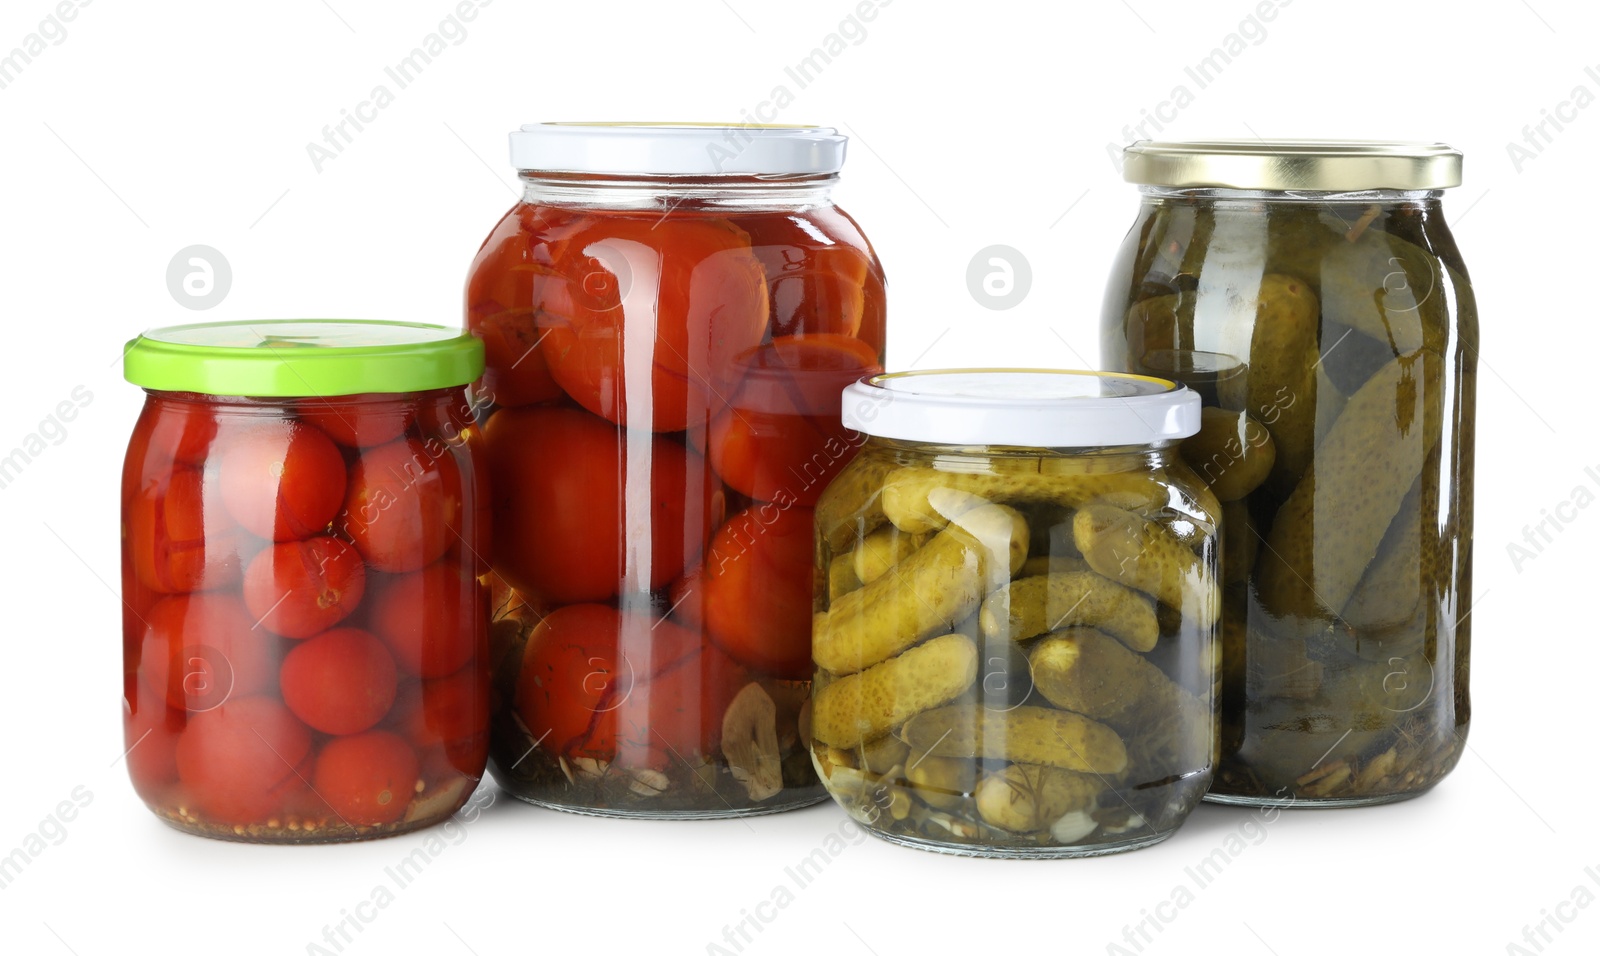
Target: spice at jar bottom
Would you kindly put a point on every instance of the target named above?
(1017, 600)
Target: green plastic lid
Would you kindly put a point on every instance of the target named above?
(302, 358)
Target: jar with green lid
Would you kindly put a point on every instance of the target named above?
(1312, 293)
(1016, 597)
(305, 638)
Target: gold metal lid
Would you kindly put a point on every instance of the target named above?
(1316, 165)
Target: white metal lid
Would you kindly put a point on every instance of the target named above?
(678, 149)
(1022, 407)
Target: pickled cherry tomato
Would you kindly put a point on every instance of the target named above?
(178, 430)
(404, 506)
(781, 439)
(755, 590)
(242, 761)
(815, 287)
(686, 702)
(150, 738)
(357, 421)
(453, 712)
(300, 588)
(367, 779)
(500, 311)
(432, 620)
(200, 650)
(282, 480)
(180, 537)
(340, 682)
(571, 678)
(694, 281)
(562, 525)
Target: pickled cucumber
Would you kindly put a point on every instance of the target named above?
(1233, 453)
(1144, 555)
(1025, 734)
(1329, 529)
(868, 704)
(1392, 586)
(912, 503)
(930, 592)
(1032, 606)
(1025, 797)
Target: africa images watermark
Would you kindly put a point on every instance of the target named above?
(354, 919)
(1552, 120)
(52, 431)
(1542, 534)
(1554, 920)
(51, 31)
(1251, 31)
(851, 31)
(1138, 936)
(451, 31)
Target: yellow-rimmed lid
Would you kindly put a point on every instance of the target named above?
(1291, 165)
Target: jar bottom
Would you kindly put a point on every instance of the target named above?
(1313, 803)
(278, 835)
(1020, 852)
(725, 813)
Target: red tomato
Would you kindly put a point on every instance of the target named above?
(301, 588)
(340, 682)
(404, 506)
(563, 528)
(679, 710)
(690, 287)
(598, 682)
(815, 286)
(781, 439)
(368, 779)
(359, 421)
(282, 480)
(200, 650)
(179, 430)
(453, 713)
(434, 620)
(150, 738)
(500, 311)
(243, 761)
(755, 588)
(179, 537)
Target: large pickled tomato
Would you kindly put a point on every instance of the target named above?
(644, 317)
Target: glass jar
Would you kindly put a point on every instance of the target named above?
(305, 638)
(1313, 295)
(670, 315)
(1016, 600)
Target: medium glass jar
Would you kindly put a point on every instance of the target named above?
(1313, 295)
(305, 638)
(1016, 600)
(669, 314)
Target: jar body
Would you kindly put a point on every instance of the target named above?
(1015, 647)
(305, 636)
(664, 366)
(1333, 338)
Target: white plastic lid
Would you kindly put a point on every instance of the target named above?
(1022, 407)
(678, 149)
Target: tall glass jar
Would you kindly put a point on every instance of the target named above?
(1313, 294)
(1016, 606)
(305, 634)
(670, 315)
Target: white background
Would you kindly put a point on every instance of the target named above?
(151, 127)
